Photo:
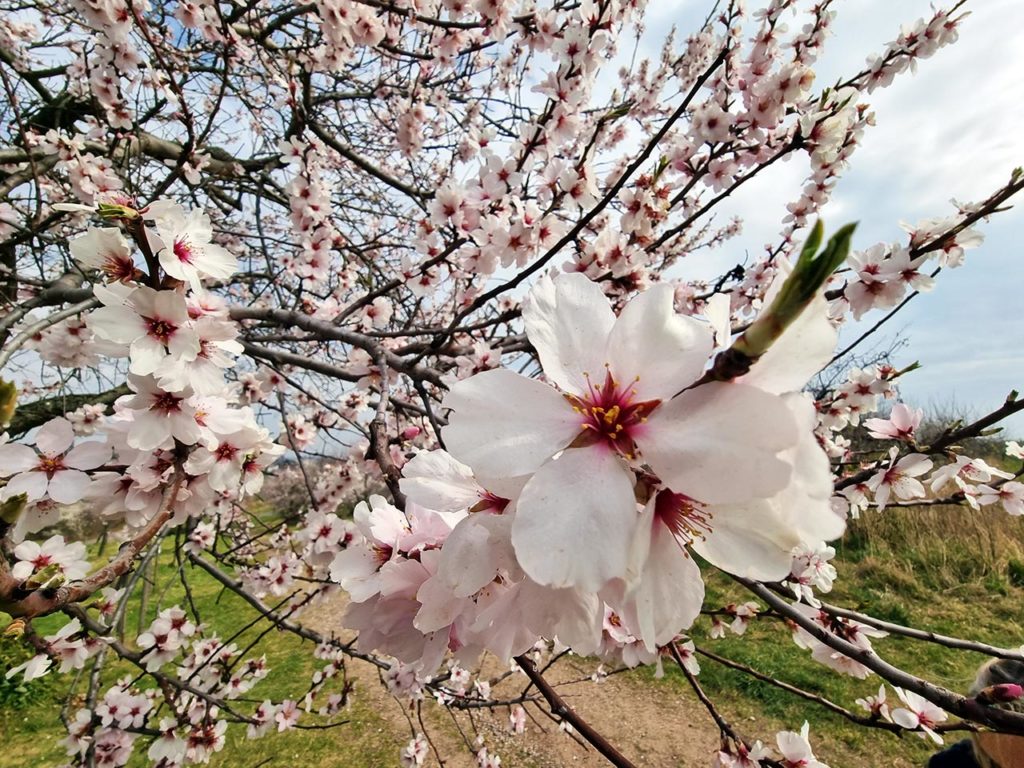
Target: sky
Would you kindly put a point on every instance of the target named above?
(954, 129)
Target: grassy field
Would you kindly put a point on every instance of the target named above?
(949, 570)
(29, 720)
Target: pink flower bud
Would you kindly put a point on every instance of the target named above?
(410, 432)
(1005, 692)
(1001, 693)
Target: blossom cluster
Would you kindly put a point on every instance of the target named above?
(572, 507)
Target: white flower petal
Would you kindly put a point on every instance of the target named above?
(568, 320)
(503, 424)
(750, 539)
(32, 484)
(666, 350)
(438, 481)
(68, 486)
(719, 443)
(55, 436)
(668, 596)
(576, 519)
(15, 458)
(478, 547)
(803, 350)
(88, 455)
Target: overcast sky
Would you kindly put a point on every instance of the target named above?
(955, 129)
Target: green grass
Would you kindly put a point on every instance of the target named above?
(30, 718)
(877, 587)
(876, 576)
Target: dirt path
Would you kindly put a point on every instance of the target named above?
(653, 725)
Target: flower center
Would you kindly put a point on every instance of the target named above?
(490, 502)
(51, 464)
(686, 518)
(611, 413)
(226, 452)
(159, 329)
(183, 250)
(167, 402)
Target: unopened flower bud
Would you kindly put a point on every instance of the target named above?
(809, 274)
(1002, 693)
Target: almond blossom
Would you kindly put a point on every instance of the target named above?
(899, 479)
(918, 714)
(54, 554)
(415, 752)
(155, 325)
(185, 246)
(1010, 495)
(617, 404)
(796, 749)
(72, 652)
(964, 471)
(876, 706)
(900, 425)
(106, 249)
(55, 471)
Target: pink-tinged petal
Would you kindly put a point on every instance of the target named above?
(15, 458)
(170, 306)
(118, 324)
(670, 593)
(568, 320)
(55, 436)
(402, 578)
(68, 486)
(438, 608)
(902, 417)
(478, 547)
(576, 519)
(88, 455)
(146, 354)
(466, 566)
(184, 345)
(574, 616)
(667, 351)
(751, 539)
(438, 481)
(355, 569)
(905, 718)
(718, 443)
(382, 522)
(32, 484)
(503, 424)
(804, 349)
